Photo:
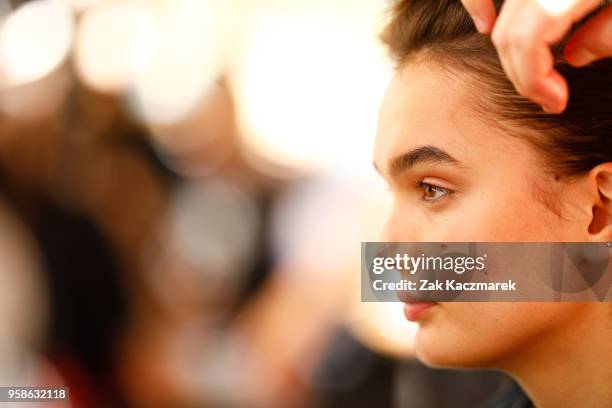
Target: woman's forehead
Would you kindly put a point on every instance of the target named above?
(421, 107)
(425, 106)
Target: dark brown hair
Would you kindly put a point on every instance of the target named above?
(571, 143)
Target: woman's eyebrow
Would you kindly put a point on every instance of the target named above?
(420, 155)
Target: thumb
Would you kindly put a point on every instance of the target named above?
(592, 41)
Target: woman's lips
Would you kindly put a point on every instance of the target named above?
(415, 310)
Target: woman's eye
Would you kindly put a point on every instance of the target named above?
(433, 193)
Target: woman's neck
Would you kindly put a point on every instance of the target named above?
(570, 368)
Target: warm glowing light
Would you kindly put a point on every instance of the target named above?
(115, 40)
(308, 88)
(186, 62)
(34, 40)
(165, 54)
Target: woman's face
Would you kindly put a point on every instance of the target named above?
(457, 177)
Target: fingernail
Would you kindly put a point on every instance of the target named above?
(548, 109)
(559, 93)
(553, 108)
(581, 57)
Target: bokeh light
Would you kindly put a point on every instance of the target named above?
(34, 40)
(207, 239)
(187, 59)
(114, 40)
(302, 99)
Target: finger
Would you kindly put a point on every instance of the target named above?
(539, 81)
(592, 41)
(524, 48)
(509, 10)
(556, 95)
(482, 12)
(503, 33)
(505, 23)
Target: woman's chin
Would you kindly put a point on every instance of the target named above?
(429, 350)
(437, 349)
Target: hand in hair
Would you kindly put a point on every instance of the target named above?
(526, 29)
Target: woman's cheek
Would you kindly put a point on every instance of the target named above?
(460, 224)
(497, 219)
(473, 217)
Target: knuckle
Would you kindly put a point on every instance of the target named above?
(499, 39)
(518, 38)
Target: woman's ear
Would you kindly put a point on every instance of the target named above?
(600, 180)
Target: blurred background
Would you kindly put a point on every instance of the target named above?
(184, 185)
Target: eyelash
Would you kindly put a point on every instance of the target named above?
(425, 186)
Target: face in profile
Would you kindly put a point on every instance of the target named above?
(456, 176)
